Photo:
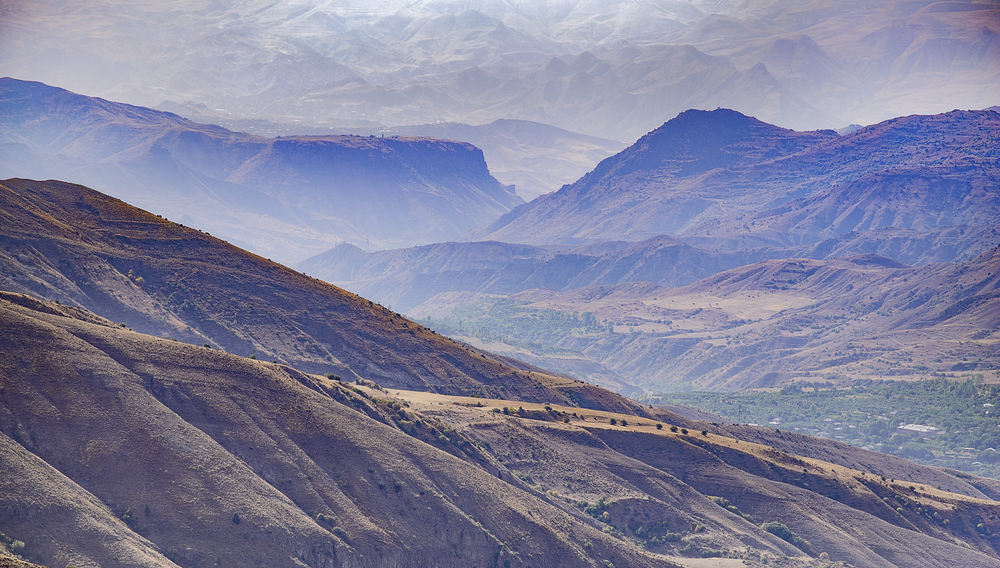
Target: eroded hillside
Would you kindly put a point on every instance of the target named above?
(162, 454)
(169, 454)
(69, 243)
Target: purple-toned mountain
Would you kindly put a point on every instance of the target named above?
(283, 197)
(703, 172)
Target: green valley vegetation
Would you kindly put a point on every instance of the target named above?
(501, 319)
(932, 422)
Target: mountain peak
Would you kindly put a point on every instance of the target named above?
(673, 180)
(697, 141)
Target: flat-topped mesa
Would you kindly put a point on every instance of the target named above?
(286, 197)
(68, 242)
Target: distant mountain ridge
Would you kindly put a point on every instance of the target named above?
(286, 197)
(535, 158)
(614, 69)
(659, 185)
(405, 278)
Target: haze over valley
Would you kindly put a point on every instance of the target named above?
(677, 284)
(797, 255)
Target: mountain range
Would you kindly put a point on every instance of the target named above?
(710, 174)
(405, 278)
(610, 69)
(287, 197)
(433, 371)
(128, 449)
(535, 158)
(743, 199)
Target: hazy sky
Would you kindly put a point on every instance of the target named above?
(795, 63)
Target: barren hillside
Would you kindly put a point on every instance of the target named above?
(167, 454)
(69, 243)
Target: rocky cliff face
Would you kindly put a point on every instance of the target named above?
(401, 190)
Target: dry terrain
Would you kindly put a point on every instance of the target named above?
(771, 323)
(615, 69)
(72, 244)
(286, 198)
(133, 449)
(167, 454)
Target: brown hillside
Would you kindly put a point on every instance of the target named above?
(69, 243)
(154, 449)
(166, 454)
(644, 475)
(10, 562)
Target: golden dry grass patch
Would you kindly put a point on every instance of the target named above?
(707, 562)
(853, 479)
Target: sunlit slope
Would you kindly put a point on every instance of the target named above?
(173, 454)
(168, 454)
(67, 242)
